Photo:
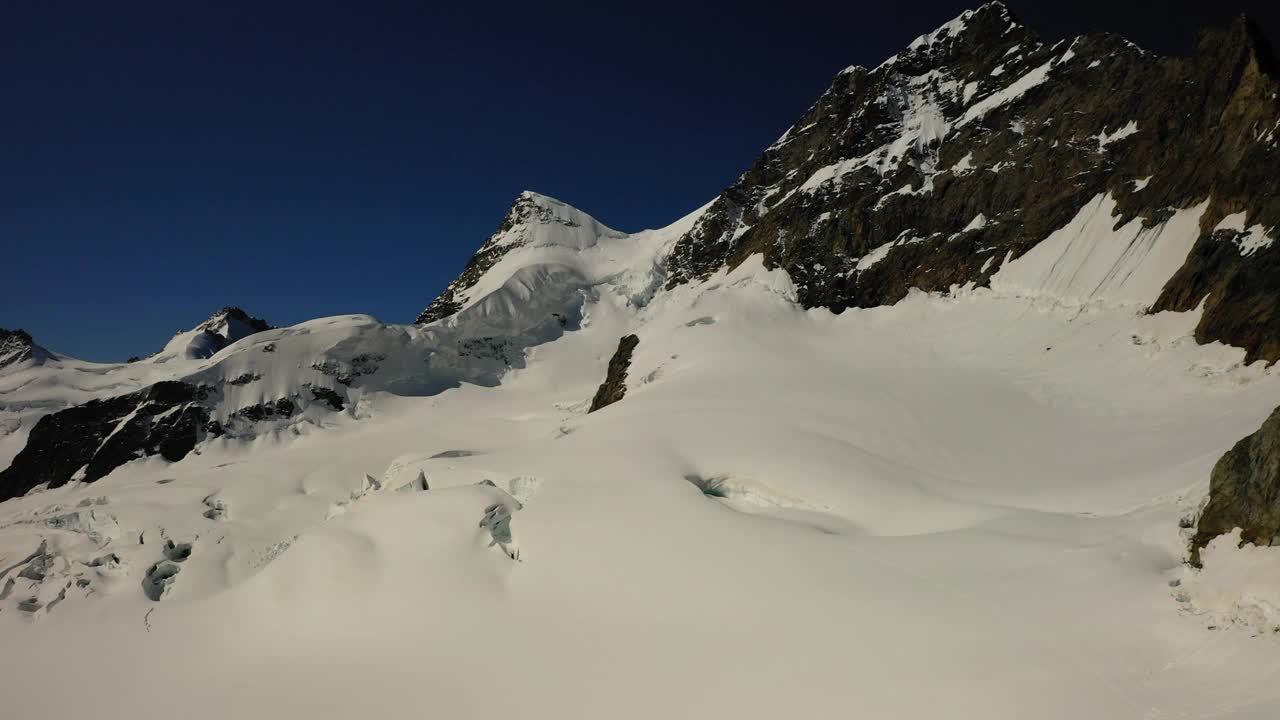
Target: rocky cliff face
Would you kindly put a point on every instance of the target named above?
(973, 146)
(614, 386)
(163, 406)
(88, 441)
(16, 346)
(954, 159)
(205, 340)
(1244, 491)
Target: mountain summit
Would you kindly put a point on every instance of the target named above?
(16, 346)
(224, 327)
(533, 221)
(955, 163)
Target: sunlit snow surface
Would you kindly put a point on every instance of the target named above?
(954, 507)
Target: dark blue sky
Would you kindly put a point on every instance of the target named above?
(159, 160)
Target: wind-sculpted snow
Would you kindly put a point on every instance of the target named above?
(926, 493)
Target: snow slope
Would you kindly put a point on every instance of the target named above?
(48, 382)
(961, 506)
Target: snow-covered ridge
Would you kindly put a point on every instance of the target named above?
(221, 329)
(921, 459)
(538, 220)
(542, 230)
(237, 379)
(16, 346)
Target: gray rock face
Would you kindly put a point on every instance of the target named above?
(88, 441)
(224, 327)
(614, 386)
(1244, 491)
(16, 346)
(982, 119)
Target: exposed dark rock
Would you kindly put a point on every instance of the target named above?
(902, 159)
(614, 386)
(277, 409)
(347, 372)
(165, 419)
(17, 346)
(231, 312)
(503, 349)
(88, 441)
(1244, 491)
(329, 397)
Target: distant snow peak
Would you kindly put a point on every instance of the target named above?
(534, 221)
(233, 319)
(537, 220)
(16, 346)
(221, 329)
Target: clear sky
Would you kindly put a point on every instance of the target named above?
(159, 160)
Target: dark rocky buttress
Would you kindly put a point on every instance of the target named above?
(614, 386)
(982, 119)
(1244, 491)
(16, 346)
(88, 441)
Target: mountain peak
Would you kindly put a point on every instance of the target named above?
(222, 328)
(993, 12)
(231, 314)
(991, 28)
(17, 346)
(534, 221)
(533, 209)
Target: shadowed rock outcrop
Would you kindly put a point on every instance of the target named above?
(614, 386)
(88, 441)
(977, 142)
(16, 346)
(1244, 491)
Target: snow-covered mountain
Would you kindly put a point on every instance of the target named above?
(1087, 171)
(16, 346)
(931, 397)
(204, 340)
